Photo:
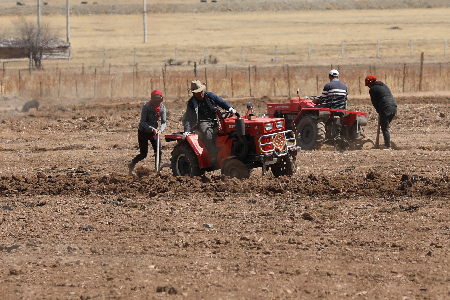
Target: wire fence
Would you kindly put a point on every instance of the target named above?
(227, 81)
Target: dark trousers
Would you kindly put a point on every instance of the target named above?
(143, 148)
(208, 132)
(384, 124)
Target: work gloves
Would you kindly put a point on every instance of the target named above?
(185, 134)
(232, 110)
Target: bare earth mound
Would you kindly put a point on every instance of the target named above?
(369, 224)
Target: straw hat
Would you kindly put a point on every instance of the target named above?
(197, 86)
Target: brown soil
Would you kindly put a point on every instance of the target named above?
(369, 224)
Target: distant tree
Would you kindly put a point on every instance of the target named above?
(33, 40)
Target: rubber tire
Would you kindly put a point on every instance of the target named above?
(184, 161)
(354, 136)
(310, 133)
(235, 168)
(286, 168)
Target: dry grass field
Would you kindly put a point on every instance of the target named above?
(266, 36)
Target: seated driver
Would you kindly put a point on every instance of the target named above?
(334, 93)
(200, 116)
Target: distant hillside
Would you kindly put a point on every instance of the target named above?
(210, 7)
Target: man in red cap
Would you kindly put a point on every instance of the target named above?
(148, 130)
(384, 103)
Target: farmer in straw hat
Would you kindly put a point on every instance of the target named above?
(201, 117)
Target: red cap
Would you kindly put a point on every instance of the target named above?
(157, 92)
(370, 80)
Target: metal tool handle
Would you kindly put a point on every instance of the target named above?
(157, 167)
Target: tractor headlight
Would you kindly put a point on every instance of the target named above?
(268, 126)
(279, 124)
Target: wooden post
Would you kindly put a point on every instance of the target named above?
(276, 54)
(274, 87)
(249, 82)
(421, 72)
(226, 71)
(133, 81)
(95, 83)
(317, 84)
(309, 50)
(445, 47)
(378, 48)
(59, 84)
(242, 56)
(206, 79)
(164, 79)
(82, 69)
(359, 85)
(195, 69)
(31, 60)
(289, 81)
(232, 89)
(112, 86)
(135, 58)
(20, 90)
(76, 88)
(206, 57)
(145, 22)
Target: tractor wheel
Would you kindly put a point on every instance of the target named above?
(285, 168)
(310, 133)
(235, 168)
(355, 136)
(184, 161)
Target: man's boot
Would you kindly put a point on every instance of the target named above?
(131, 166)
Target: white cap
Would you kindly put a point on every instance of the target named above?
(334, 73)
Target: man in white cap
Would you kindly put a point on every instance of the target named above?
(201, 116)
(334, 93)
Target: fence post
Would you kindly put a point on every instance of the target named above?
(232, 89)
(411, 47)
(135, 58)
(195, 69)
(20, 89)
(242, 56)
(175, 55)
(249, 82)
(206, 56)
(359, 85)
(317, 84)
(274, 88)
(289, 82)
(164, 78)
(95, 83)
(445, 47)
(378, 48)
(59, 84)
(309, 50)
(276, 54)
(104, 57)
(112, 86)
(421, 72)
(404, 75)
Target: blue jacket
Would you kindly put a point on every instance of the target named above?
(191, 117)
(334, 95)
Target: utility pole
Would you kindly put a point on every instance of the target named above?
(68, 21)
(145, 22)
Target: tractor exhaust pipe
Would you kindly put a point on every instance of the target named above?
(240, 127)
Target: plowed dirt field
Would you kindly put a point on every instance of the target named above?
(368, 224)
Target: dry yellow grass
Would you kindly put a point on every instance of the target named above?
(225, 34)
